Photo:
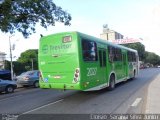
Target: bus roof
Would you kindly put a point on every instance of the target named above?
(93, 38)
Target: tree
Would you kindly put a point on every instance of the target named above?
(18, 67)
(152, 58)
(23, 15)
(7, 65)
(28, 58)
(139, 47)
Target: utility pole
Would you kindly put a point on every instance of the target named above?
(10, 48)
(32, 62)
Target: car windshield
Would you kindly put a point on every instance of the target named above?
(23, 73)
(29, 73)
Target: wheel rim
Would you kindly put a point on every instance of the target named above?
(36, 84)
(9, 89)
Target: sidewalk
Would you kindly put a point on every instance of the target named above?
(153, 99)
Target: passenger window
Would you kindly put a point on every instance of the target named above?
(100, 58)
(115, 54)
(131, 56)
(110, 53)
(104, 58)
(89, 49)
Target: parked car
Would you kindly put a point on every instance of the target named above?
(5, 74)
(29, 78)
(7, 86)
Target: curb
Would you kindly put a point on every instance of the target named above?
(153, 99)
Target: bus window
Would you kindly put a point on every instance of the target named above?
(131, 56)
(104, 58)
(110, 53)
(89, 50)
(100, 58)
(134, 57)
(117, 54)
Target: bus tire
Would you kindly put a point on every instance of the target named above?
(111, 83)
(134, 74)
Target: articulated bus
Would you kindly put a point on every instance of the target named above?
(73, 60)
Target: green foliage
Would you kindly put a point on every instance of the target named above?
(26, 58)
(23, 15)
(7, 65)
(152, 58)
(24, 62)
(139, 47)
(28, 68)
(28, 55)
(18, 67)
(147, 57)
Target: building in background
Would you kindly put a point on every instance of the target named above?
(110, 35)
(2, 60)
(115, 37)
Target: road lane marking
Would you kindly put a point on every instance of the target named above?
(10, 98)
(136, 102)
(43, 106)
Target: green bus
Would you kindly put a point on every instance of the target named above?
(73, 60)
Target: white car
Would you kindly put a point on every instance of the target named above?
(29, 78)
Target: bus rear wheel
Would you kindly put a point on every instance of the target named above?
(111, 83)
(134, 75)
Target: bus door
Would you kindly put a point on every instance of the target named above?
(102, 65)
(124, 58)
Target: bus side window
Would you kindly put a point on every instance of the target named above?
(104, 58)
(117, 54)
(134, 57)
(131, 56)
(89, 50)
(110, 53)
(100, 58)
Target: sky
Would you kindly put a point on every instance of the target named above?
(132, 18)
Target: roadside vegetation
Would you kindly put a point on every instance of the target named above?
(149, 59)
(23, 16)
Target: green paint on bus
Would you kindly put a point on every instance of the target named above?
(73, 60)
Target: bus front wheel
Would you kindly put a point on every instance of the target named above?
(111, 83)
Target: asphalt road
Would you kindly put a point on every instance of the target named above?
(128, 97)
